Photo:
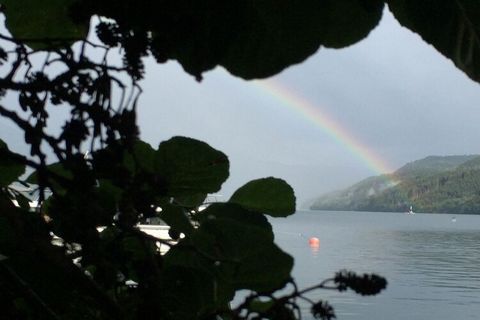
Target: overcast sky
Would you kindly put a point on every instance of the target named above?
(393, 92)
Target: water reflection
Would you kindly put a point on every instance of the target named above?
(448, 262)
(314, 251)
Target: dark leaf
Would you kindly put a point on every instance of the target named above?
(271, 196)
(237, 246)
(59, 170)
(452, 27)
(121, 165)
(176, 218)
(187, 293)
(280, 312)
(260, 306)
(270, 40)
(192, 201)
(174, 234)
(76, 215)
(190, 167)
(144, 156)
(33, 19)
(10, 167)
(39, 272)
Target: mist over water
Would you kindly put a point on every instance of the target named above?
(431, 261)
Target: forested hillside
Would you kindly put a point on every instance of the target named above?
(435, 184)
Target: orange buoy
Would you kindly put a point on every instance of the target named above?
(313, 242)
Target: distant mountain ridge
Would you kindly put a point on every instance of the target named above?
(441, 184)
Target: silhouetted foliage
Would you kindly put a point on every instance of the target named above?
(366, 285)
(322, 310)
(80, 253)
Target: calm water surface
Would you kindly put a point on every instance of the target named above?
(431, 262)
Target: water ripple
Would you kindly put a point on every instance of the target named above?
(432, 265)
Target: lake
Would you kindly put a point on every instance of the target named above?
(431, 261)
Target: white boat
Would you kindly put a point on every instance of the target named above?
(410, 211)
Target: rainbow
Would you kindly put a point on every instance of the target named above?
(315, 115)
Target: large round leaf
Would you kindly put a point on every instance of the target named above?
(452, 27)
(190, 167)
(236, 232)
(265, 270)
(43, 19)
(236, 248)
(277, 33)
(271, 196)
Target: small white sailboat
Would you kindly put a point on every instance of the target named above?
(410, 211)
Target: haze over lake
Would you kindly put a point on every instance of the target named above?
(431, 261)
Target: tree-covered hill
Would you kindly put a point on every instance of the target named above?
(449, 184)
(434, 165)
